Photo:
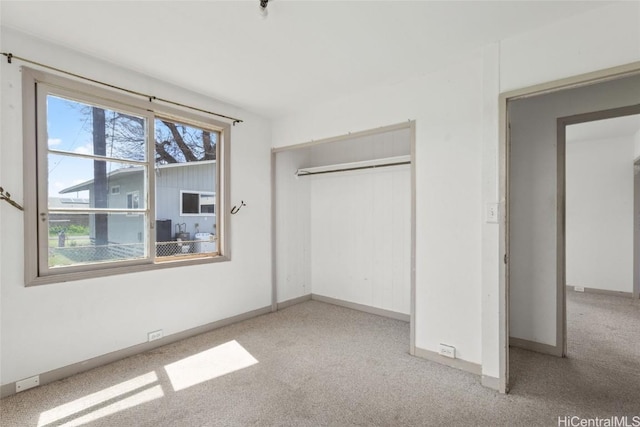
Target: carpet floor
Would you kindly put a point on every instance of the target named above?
(317, 364)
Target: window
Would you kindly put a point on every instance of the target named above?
(197, 203)
(129, 159)
(133, 200)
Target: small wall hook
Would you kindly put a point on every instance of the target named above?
(236, 209)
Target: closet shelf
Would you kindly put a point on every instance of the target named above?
(364, 164)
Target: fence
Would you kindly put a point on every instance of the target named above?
(87, 254)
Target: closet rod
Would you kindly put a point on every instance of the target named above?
(355, 168)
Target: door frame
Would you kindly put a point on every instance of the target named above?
(562, 123)
(636, 228)
(503, 188)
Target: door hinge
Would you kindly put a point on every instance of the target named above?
(505, 258)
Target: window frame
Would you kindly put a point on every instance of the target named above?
(36, 86)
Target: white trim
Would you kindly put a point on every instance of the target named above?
(624, 294)
(350, 135)
(105, 359)
(538, 347)
(490, 382)
(464, 365)
(293, 301)
(362, 307)
(177, 165)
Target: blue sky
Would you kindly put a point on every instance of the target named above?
(69, 128)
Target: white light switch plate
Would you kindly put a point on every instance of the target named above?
(491, 213)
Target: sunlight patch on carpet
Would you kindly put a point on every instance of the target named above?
(105, 402)
(209, 364)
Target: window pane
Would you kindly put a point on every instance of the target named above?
(207, 203)
(87, 238)
(185, 179)
(178, 143)
(190, 203)
(94, 182)
(81, 128)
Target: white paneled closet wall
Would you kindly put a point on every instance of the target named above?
(346, 235)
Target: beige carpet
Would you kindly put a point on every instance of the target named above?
(317, 364)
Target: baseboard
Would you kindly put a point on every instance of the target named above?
(463, 365)
(362, 307)
(293, 301)
(535, 346)
(602, 291)
(105, 359)
(492, 383)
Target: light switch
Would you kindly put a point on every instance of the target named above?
(491, 213)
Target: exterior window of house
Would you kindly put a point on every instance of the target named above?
(130, 160)
(133, 200)
(197, 203)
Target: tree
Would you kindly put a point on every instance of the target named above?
(121, 135)
(174, 142)
(100, 182)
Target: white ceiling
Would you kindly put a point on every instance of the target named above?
(304, 52)
(617, 127)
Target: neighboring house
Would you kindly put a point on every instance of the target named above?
(185, 201)
(66, 220)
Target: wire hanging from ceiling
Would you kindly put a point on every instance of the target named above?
(151, 98)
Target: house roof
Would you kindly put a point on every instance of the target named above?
(86, 185)
(67, 202)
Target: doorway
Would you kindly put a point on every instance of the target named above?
(599, 192)
(532, 184)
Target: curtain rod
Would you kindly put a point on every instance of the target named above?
(151, 98)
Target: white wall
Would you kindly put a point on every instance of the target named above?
(361, 237)
(345, 235)
(293, 226)
(51, 326)
(636, 146)
(597, 39)
(456, 113)
(455, 110)
(447, 107)
(599, 213)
